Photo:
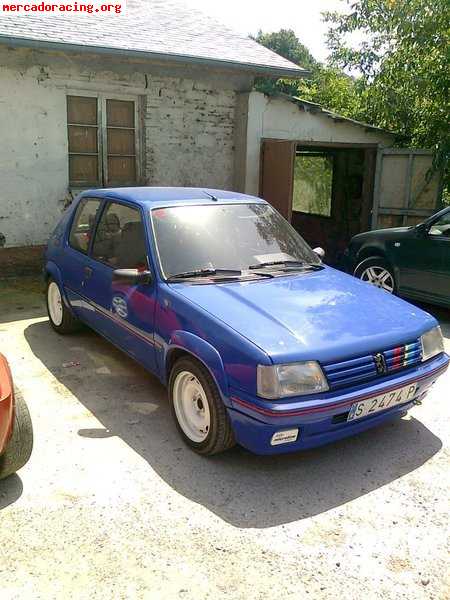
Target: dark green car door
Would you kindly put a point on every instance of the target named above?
(423, 261)
(439, 236)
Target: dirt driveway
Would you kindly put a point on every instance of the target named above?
(112, 505)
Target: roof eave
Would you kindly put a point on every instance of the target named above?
(257, 69)
(318, 109)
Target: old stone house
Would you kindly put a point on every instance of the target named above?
(161, 95)
(149, 97)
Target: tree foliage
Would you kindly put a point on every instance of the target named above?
(286, 44)
(327, 86)
(401, 69)
(404, 65)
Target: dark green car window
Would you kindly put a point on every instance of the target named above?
(441, 227)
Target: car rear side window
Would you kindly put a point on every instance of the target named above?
(83, 224)
(120, 239)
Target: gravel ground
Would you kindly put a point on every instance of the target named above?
(112, 505)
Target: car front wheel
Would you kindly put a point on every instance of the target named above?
(19, 448)
(198, 410)
(377, 272)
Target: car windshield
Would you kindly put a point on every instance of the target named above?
(191, 239)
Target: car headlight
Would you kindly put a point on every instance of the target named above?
(432, 343)
(294, 379)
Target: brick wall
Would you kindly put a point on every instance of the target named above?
(24, 260)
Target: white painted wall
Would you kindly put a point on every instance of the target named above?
(33, 156)
(279, 118)
(187, 118)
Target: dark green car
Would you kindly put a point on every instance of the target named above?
(409, 261)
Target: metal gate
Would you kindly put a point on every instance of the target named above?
(407, 189)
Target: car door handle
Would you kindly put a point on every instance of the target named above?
(88, 272)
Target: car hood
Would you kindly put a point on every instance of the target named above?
(316, 315)
(392, 232)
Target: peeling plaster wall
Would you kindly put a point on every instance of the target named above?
(279, 118)
(189, 134)
(33, 172)
(187, 123)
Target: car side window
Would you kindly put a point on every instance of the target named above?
(120, 238)
(83, 224)
(441, 227)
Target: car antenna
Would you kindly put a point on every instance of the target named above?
(211, 196)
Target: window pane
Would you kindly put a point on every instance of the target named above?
(121, 141)
(120, 113)
(83, 169)
(313, 183)
(121, 169)
(82, 139)
(120, 239)
(81, 231)
(82, 110)
(441, 226)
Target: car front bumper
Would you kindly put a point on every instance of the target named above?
(323, 420)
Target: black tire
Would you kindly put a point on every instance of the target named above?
(20, 446)
(378, 263)
(69, 323)
(220, 436)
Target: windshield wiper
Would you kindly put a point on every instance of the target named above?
(286, 263)
(205, 273)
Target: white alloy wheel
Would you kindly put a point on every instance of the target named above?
(379, 277)
(55, 307)
(191, 406)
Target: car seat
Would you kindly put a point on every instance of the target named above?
(132, 252)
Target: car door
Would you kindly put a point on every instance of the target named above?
(439, 237)
(76, 263)
(418, 259)
(125, 311)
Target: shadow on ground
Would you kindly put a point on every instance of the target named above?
(21, 298)
(243, 489)
(11, 489)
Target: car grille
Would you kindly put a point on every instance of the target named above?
(363, 368)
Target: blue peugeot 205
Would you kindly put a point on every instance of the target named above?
(258, 342)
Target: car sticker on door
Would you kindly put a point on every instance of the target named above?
(119, 306)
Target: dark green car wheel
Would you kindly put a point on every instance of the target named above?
(378, 272)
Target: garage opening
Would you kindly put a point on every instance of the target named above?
(326, 191)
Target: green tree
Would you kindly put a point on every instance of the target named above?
(286, 44)
(334, 90)
(404, 64)
(326, 86)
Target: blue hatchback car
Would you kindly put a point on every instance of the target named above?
(258, 342)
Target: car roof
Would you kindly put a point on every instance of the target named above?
(152, 197)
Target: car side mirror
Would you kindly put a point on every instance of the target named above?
(320, 252)
(421, 229)
(131, 276)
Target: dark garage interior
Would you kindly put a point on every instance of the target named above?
(326, 191)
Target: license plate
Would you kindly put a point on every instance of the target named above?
(382, 402)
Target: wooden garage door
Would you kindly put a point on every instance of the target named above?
(407, 188)
(277, 174)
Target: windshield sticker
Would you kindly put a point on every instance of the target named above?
(276, 256)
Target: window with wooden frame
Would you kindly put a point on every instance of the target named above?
(103, 141)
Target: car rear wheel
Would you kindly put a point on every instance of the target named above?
(377, 272)
(18, 450)
(198, 410)
(61, 319)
